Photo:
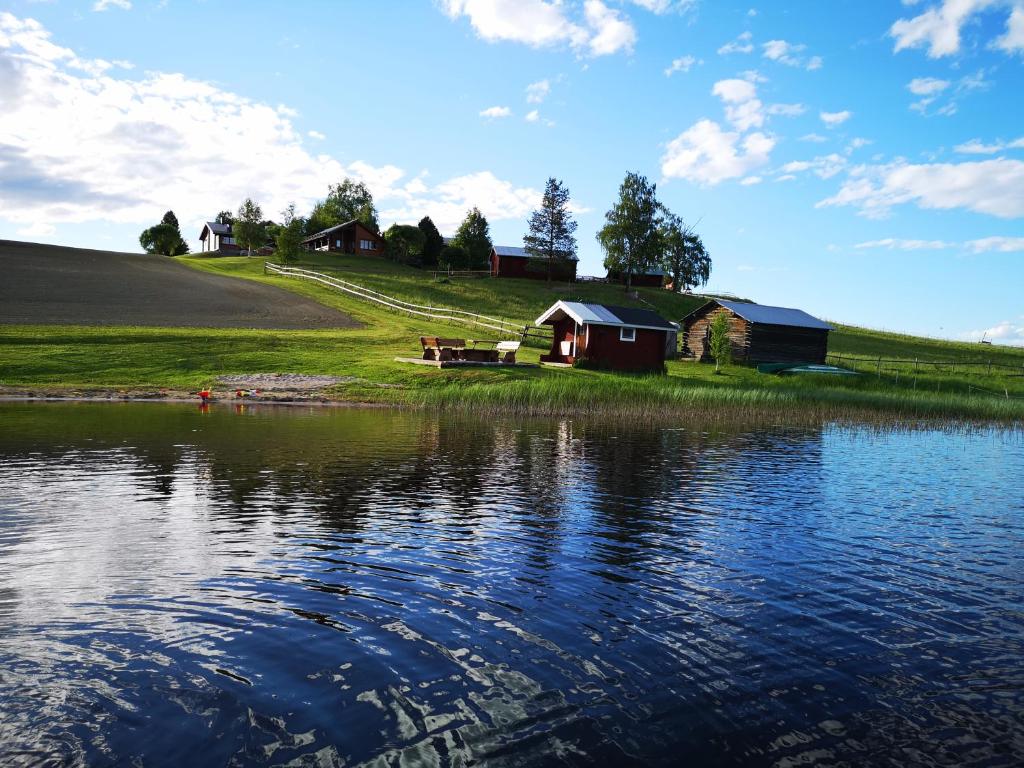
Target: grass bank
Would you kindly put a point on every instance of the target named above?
(51, 359)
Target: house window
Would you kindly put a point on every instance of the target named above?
(627, 334)
(337, 243)
(228, 240)
(368, 245)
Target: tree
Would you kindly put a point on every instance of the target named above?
(163, 239)
(721, 346)
(454, 257)
(225, 217)
(433, 243)
(630, 237)
(405, 243)
(473, 236)
(552, 227)
(684, 256)
(345, 201)
(248, 229)
(171, 220)
(289, 235)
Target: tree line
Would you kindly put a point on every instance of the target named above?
(639, 233)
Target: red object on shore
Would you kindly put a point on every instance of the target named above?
(204, 394)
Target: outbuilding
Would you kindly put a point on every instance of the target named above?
(350, 237)
(758, 333)
(651, 277)
(513, 261)
(619, 338)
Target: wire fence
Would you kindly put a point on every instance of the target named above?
(523, 331)
(907, 370)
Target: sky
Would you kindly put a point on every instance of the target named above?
(863, 161)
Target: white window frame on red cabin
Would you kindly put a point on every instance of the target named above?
(622, 333)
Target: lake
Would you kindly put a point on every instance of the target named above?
(306, 586)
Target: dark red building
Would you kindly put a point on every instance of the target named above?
(510, 261)
(619, 338)
(350, 237)
(648, 278)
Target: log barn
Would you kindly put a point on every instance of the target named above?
(511, 261)
(651, 277)
(758, 333)
(350, 237)
(618, 338)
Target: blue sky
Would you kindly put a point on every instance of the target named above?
(862, 161)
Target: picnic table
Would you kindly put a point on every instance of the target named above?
(469, 350)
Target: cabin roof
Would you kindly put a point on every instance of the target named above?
(336, 227)
(605, 314)
(521, 253)
(762, 314)
(217, 228)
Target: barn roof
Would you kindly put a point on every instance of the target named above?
(762, 314)
(522, 253)
(605, 314)
(325, 232)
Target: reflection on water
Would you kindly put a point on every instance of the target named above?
(346, 587)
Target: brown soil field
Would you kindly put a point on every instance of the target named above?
(55, 285)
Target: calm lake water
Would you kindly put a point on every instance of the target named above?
(338, 587)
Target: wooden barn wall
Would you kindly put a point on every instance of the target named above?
(605, 349)
(696, 334)
(787, 344)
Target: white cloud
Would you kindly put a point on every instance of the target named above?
(102, 5)
(824, 166)
(734, 90)
(316, 135)
(997, 244)
(786, 110)
(816, 138)
(900, 244)
(682, 64)
(1007, 332)
(537, 92)
(751, 180)
(927, 86)
(495, 112)
(790, 54)
(832, 119)
(611, 31)
(977, 147)
(544, 23)
(994, 187)
(532, 116)
(741, 44)
(855, 144)
(77, 146)
(706, 154)
(665, 6)
(938, 28)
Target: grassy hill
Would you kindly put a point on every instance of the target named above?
(129, 358)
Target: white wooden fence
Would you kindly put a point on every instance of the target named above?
(446, 314)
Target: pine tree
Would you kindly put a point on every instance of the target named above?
(473, 236)
(433, 243)
(552, 226)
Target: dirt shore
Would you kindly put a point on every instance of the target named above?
(53, 285)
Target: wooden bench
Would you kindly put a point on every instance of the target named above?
(435, 348)
(507, 351)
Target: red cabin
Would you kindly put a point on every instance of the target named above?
(510, 261)
(619, 338)
(350, 237)
(654, 277)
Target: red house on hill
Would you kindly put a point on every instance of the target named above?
(619, 338)
(653, 277)
(350, 237)
(511, 261)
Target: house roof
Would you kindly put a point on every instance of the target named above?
(605, 314)
(336, 227)
(217, 228)
(653, 271)
(762, 314)
(522, 253)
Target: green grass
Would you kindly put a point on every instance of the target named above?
(138, 359)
